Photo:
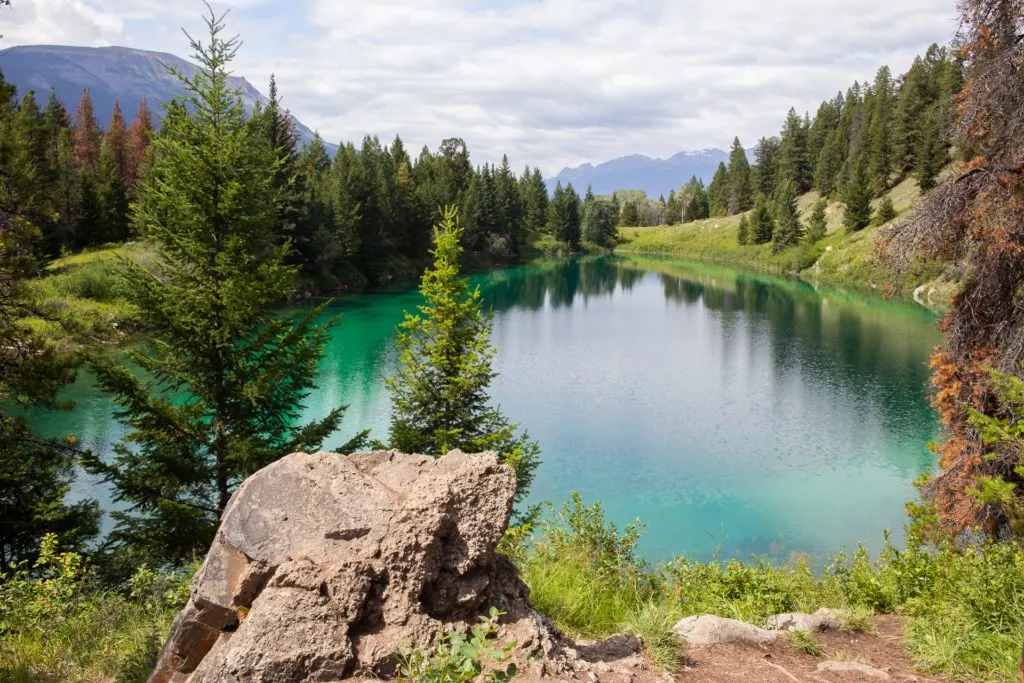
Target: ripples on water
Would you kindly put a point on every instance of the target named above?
(731, 413)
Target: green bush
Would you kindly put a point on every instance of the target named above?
(456, 657)
(57, 624)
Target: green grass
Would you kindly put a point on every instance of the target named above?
(82, 295)
(963, 606)
(804, 641)
(840, 259)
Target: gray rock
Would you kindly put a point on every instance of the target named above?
(712, 630)
(846, 669)
(324, 565)
(798, 621)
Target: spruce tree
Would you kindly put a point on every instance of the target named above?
(673, 211)
(87, 134)
(817, 223)
(793, 162)
(440, 398)
(857, 215)
(931, 151)
(788, 230)
(886, 211)
(741, 189)
(743, 232)
(599, 222)
(139, 135)
(718, 192)
(223, 381)
(762, 222)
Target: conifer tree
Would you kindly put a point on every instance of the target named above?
(87, 134)
(741, 190)
(762, 222)
(111, 196)
(931, 153)
(886, 211)
(224, 381)
(857, 215)
(139, 136)
(599, 222)
(763, 175)
(719, 191)
(695, 198)
(793, 161)
(117, 139)
(673, 210)
(630, 215)
(817, 223)
(743, 232)
(440, 396)
(788, 230)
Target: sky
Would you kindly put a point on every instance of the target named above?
(552, 83)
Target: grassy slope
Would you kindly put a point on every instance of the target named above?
(840, 259)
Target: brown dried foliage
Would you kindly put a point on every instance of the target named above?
(977, 218)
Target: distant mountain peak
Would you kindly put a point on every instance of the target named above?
(110, 73)
(640, 172)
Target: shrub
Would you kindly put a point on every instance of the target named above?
(455, 658)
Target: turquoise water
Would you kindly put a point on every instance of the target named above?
(731, 413)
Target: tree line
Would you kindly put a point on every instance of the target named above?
(857, 146)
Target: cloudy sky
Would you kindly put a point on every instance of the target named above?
(550, 82)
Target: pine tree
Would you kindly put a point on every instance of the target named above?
(857, 215)
(440, 396)
(741, 189)
(743, 232)
(793, 162)
(695, 206)
(673, 210)
(880, 131)
(886, 211)
(112, 197)
(36, 473)
(762, 222)
(931, 152)
(87, 134)
(630, 215)
(117, 139)
(817, 224)
(788, 229)
(226, 375)
(718, 192)
(139, 136)
(763, 174)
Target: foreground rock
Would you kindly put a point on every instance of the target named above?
(822, 620)
(712, 630)
(325, 565)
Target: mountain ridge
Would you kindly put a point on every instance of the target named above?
(111, 73)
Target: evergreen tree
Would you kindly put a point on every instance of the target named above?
(630, 215)
(535, 202)
(857, 215)
(817, 224)
(788, 230)
(87, 134)
(741, 189)
(695, 206)
(226, 376)
(763, 175)
(886, 211)
(111, 196)
(139, 136)
(440, 396)
(117, 139)
(673, 210)
(793, 163)
(719, 191)
(35, 472)
(565, 216)
(762, 222)
(743, 232)
(931, 153)
(880, 130)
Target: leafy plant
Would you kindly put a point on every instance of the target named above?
(456, 657)
(804, 641)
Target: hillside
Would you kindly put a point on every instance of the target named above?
(110, 73)
(656, 177)
(840, 259)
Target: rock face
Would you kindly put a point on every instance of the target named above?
(324, 565)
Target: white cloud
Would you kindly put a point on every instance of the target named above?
(551, 82)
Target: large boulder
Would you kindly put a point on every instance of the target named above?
(325, 565)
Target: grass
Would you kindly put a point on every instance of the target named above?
(963, 607)
(804, 641)
(56, 623)
(839, 259)
(82, 294)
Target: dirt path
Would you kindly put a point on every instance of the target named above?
(780, 662)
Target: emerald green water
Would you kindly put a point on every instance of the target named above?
(732, 413)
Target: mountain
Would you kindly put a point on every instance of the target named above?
(638, 172)
(109, 73)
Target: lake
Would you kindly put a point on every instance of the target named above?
(732, 413)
